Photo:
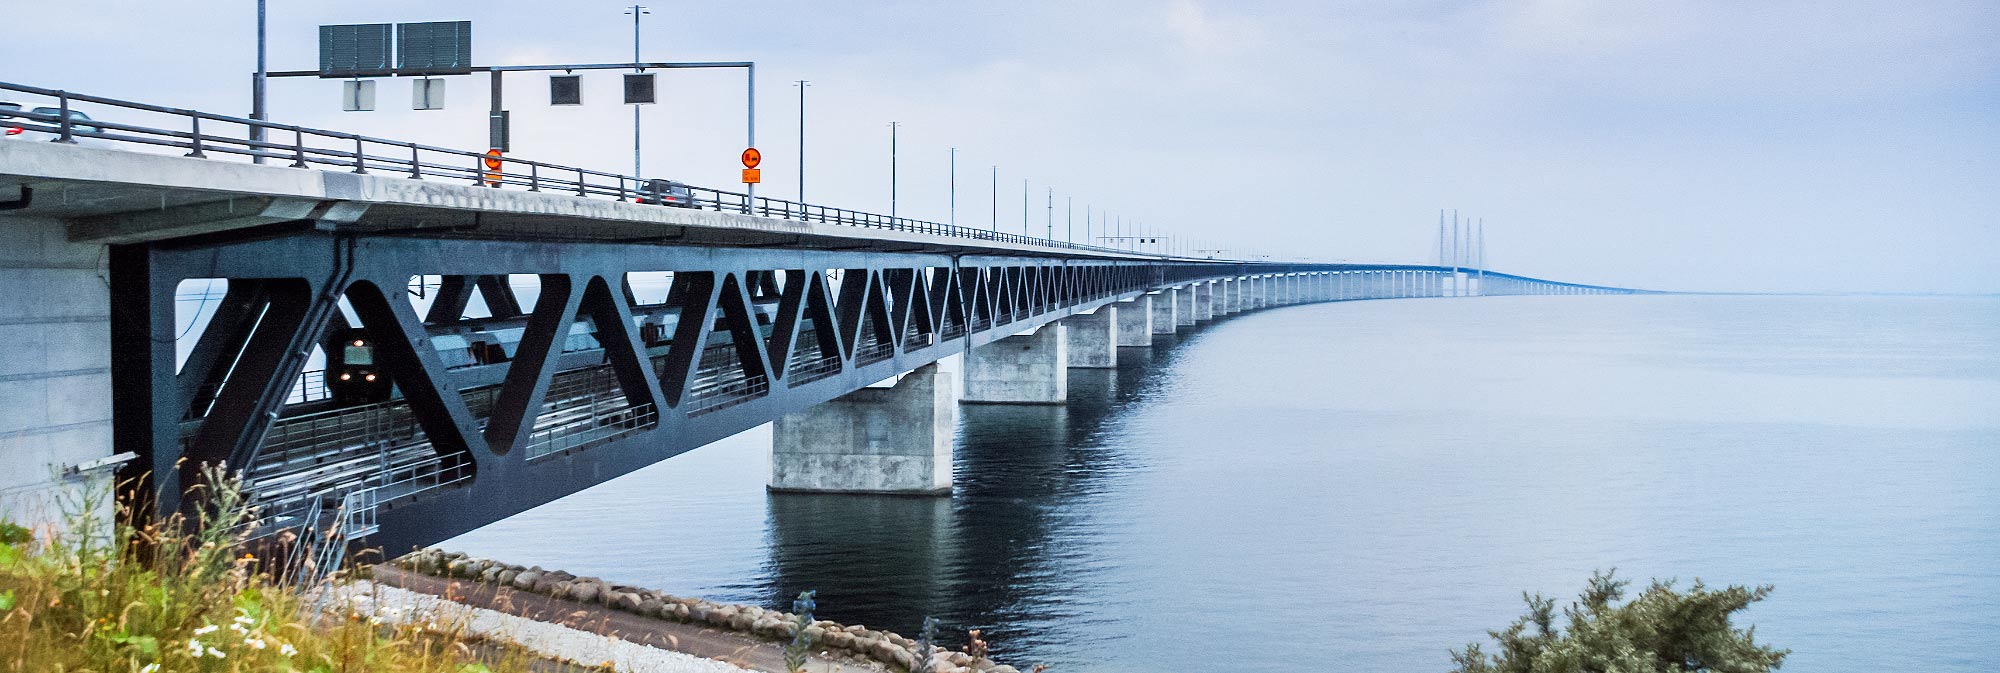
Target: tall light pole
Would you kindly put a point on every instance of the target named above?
(954, 186)
(892, 168)
(1024, 206)
(802, 84)
(994, 224)
(1051, 231)
(1069, 220)
(636, 11)
(257, 110)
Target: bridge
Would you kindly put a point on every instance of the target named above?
(407, 343)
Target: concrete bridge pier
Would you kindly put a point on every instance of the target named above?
(1093, 338)
(55, 387)
(873, 440)
(1164, 318)
(1031, 368)
(1135, 322)
(1204, 301)
(1223, 288)
(1184, 305)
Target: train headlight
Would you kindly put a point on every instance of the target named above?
(358, 343)
(346, 376)
(369, 378)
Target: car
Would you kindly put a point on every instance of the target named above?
(9, 129)
(668, 193)
(44, 125)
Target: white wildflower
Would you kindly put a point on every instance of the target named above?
(194, 648)
(217, 653)
(287, 649)
(255, 643)
(206, 630)
(151, 668)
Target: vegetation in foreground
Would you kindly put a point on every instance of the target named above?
(170, 597)
(1662, 631)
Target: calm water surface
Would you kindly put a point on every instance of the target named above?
(1364, 486)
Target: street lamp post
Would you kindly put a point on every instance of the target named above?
(954, 187)
(257, 110)
(802, 84)
(892, 168)
(994, 223)
(636, 11)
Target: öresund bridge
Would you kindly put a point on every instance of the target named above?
(397, 343)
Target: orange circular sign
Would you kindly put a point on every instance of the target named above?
(752, 157)
(493, 159)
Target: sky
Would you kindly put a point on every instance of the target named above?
(1780, 145)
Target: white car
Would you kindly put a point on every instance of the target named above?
(14, 127)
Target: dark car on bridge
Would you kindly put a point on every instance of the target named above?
(667, 193)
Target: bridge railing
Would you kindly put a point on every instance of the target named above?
(214, 136)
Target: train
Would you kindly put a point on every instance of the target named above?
(354, 377)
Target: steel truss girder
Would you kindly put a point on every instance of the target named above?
(296, 281)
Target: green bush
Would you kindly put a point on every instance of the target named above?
(1661, 631)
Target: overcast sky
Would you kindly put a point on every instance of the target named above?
(1772, 145)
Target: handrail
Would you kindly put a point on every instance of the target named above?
(320, 148)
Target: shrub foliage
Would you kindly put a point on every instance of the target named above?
(181, 596)
(1663, 630)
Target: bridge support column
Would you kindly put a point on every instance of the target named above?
(1184, 306)
(55, 388)
(872, 440)
(1231, 299)
(1163, 311)
(1135, 322)
(1030, 368)
(1204, 301)
(1093, 338)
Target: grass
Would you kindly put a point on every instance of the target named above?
(178, 595)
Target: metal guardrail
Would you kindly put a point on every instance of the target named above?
(227, 136)
(601, 421)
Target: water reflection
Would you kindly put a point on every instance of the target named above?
(1003, 550)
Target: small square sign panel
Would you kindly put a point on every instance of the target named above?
(357, 95)
(638, 88)
(427, 94)
(565, 89)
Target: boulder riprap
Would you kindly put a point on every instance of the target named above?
(830, 638)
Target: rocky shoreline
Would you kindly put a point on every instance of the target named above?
(854, 642)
